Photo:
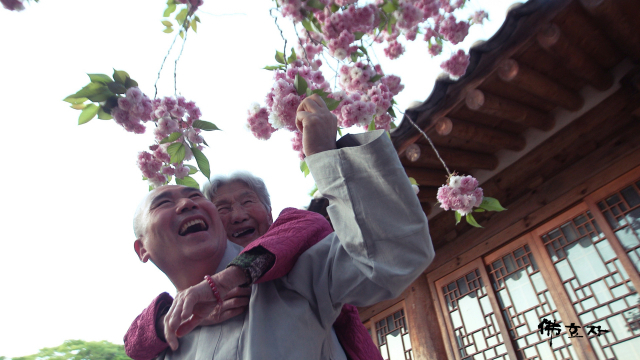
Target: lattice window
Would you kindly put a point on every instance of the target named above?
(474, 323)
(393, 339)
(597, 284)
(525, 300)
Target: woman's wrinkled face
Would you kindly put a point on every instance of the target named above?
(243, 216)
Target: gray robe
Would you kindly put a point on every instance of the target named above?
(380, 245)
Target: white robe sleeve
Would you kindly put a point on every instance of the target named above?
(381, 242)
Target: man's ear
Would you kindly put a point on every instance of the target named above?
(142, 253)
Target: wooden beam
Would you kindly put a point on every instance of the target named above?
(489, 104)
(428, 194)
(618, 21)
(520, 75)
(581, 29)
(574, 58)
(454, 158)
(427, 177)
(465, 130)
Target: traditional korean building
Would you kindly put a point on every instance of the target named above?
(547, 118)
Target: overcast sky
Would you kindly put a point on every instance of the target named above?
(67, 265)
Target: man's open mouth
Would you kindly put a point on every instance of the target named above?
(243, 232)
(193, 226)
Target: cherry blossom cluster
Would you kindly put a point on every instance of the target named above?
(339, 24)
(172, 116)
(132, 110)
(461, 194)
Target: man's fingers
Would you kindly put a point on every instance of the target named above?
(235, 303)
(187, 326)
(238, 292)
(313, 103)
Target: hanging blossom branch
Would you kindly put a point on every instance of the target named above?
(346, 30)
(461, 193)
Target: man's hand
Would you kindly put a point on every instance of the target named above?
(317, 124)
(197, 305)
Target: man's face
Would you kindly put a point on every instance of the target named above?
(179, 225)
(244, 217)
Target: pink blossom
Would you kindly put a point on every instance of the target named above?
(457, 64)
(258, 123)
(181, 171)
(468, 184)
(296, 143)
(435, 49)
(453, 31)
(14, 5)
(479, 16)
(393, 83)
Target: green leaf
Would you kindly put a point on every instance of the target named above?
(182, 34)
(274, 67)
(354, 57)
(176, 151)
(182, 16)
(472, 221)
(279, 57)
(372, 125)
(204, 125)
(292, 57)
(169, 10)
(71, 99)
(375, 78)
(304, 168)
(130, 83)
(389, 7)
(392, 125)
(103, 115)
(102, 95)
(314, 190)
(320, 92)
(300, 84)
(120, 76)
(87, 114)
(168, 30)
(100, 78)
(192, 169)
(117, 88)
(196, 18)
(389, 30)
(413, 181)
(78, 106)
(458, 217)
(364, 51)
(171, 138)
(316, 4)
(332, 104)
(339, 131)
(90, 89)
(358, 35)
(307, 25)
(479, 210)
(491, 204)
(188, 181)
(317, 26)
(391, 112)
(203, 162)
(334, 8)
(194, 26)
(167, 23)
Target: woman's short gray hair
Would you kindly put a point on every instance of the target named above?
(253, 182)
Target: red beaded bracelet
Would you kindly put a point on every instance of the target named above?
(213, 288)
